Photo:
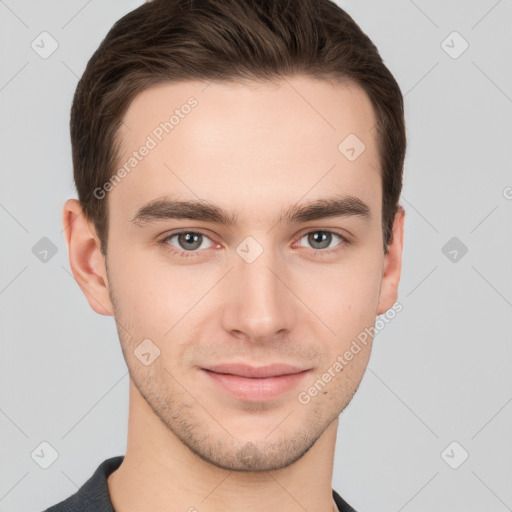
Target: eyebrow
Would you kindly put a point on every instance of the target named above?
(164, 209)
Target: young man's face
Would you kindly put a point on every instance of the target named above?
(263, 290)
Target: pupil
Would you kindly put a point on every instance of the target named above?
(190, 239)
(320, 237)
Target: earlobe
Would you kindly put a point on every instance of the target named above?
(85, 258)
(392, 265)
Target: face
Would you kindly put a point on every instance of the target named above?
(287, 281)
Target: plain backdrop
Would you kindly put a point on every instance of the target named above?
(430, 426)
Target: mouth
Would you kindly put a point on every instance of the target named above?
(255, 384)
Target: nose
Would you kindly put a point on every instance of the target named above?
(258, 304)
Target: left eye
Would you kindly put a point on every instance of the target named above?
(321, 239)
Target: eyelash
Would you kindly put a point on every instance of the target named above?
(187, 254)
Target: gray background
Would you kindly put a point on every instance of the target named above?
(439, 372)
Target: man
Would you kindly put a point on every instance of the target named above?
(238, 165)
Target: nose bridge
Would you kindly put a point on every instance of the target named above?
(258, 304)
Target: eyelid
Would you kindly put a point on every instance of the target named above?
(335, 231)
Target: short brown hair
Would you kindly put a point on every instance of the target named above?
(226, 40)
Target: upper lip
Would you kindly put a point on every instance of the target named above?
(244, 370)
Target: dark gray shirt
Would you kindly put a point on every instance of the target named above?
(93, 495)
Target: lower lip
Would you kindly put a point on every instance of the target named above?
(256, 390)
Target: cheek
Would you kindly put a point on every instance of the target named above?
(142, 280)
(140, 289)
(162, 302)
(334, 383)
(344, 296)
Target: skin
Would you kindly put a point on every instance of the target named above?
(253, 150)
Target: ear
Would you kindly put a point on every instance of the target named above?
(85, 258)
(392, 265)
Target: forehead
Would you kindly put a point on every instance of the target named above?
(244, 145)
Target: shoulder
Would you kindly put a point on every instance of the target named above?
(93, 495)
(342, 505)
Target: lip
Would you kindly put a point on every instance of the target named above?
(245, 370)
(255, 384)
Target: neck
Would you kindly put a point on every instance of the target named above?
(160, 473)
